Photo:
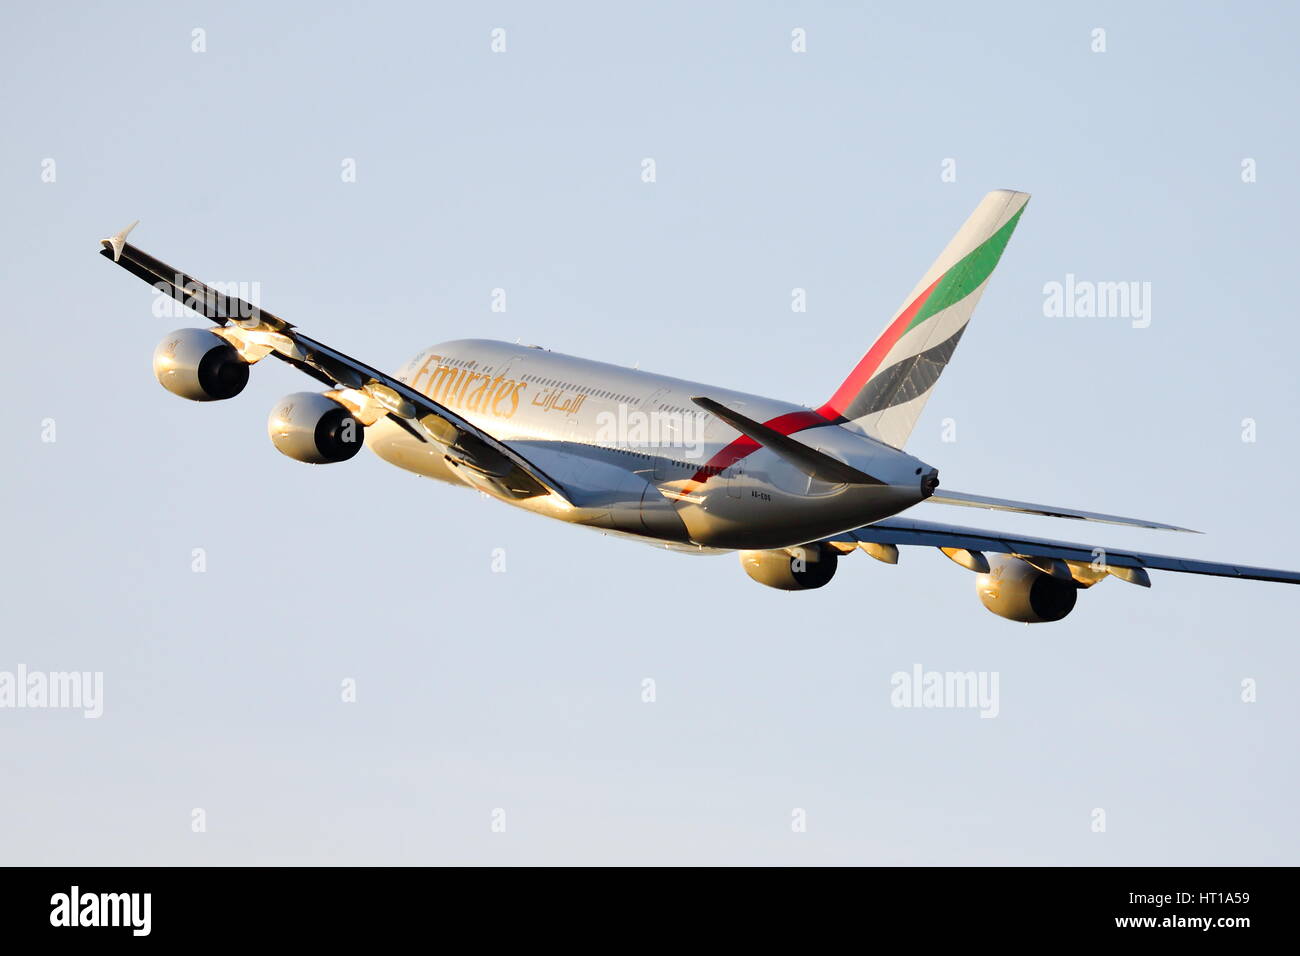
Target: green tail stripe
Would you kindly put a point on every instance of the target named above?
(968, 273)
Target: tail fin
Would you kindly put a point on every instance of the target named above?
(887, 390)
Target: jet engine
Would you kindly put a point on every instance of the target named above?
(1014, 589)
(200, 366)
(791, 569)
(313, 428)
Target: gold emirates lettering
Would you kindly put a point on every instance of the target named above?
(467, 390)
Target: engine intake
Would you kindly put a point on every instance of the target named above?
(315, 429)
(808, 567)
(199, 365)
(1013, 589)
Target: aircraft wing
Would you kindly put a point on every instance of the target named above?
(961, 499)
(908, 531)
(371, 394)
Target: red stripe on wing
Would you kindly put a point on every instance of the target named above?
(786, 424)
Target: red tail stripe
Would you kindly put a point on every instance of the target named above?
(860, 375)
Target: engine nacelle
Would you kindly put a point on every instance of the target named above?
(810, 566)
(200, 366)
(1018, 592)
(311, 427)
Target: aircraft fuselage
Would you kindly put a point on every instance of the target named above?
(640, 458)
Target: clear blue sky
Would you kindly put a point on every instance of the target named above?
(522, 691)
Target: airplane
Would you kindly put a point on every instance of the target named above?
(674, 463)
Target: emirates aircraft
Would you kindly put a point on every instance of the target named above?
(669, 462)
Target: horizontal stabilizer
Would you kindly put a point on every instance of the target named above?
(808, 460)
(1049, 511)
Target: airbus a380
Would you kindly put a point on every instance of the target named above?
(670, 462)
